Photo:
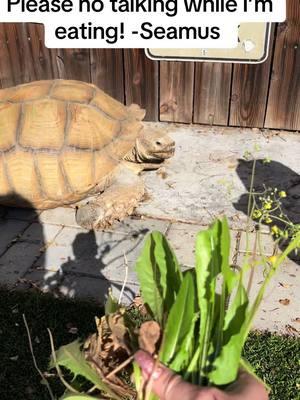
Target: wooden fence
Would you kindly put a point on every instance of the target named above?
(265, 95)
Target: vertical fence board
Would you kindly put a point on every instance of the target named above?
(212, 93)
(43, 59)
(141, 82)
(17, 62)
(6, 72)
(107, 71)
(176, 91)
(26, 55)
(283, 110)
(250, 85)
(74, 64)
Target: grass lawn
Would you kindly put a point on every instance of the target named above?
(275, 358)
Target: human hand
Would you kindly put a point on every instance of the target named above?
(169, 386)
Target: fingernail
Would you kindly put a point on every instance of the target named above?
(145, 361)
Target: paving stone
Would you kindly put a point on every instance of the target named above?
(23, 214)
(17, 260)
(141, 225)
(274, 315)
(72, 285)
(267, 243)
(59, 216)
(39, 233)
(182, 238)
(9, 230)
(99, 254)
(207, 178)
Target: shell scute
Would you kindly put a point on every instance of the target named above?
(43, 125)
(109, 106)
(9, 121)
(104, 165)
(51, 176)
(22, 175)
(72, 91)
(26, 92)
(90, 129)
(78, 167)
(4, 185)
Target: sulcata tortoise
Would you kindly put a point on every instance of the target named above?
(67, 142)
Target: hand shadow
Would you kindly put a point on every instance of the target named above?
(23, 251)
(273, 175)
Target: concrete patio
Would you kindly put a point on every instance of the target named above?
(205, 179)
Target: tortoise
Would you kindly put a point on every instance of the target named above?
(66, 142)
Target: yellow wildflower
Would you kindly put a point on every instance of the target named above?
(282, 194)
(268, 205)
(272, 259)
(257, 214)
(275, 230)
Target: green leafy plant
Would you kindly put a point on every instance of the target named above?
(200, 317)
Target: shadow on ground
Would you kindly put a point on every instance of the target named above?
(273, 175)
(89, 254)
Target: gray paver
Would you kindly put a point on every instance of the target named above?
(99, 254)
(17, 260)
(39, 233)
(201, 180)
(267, 243)
(59, 216)
(22, 214)
(182, 238)
(76, 286)
(9, 230)
(272, 313)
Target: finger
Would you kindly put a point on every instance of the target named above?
(167, 385)
(248, 388)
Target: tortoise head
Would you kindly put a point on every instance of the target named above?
(154, 146)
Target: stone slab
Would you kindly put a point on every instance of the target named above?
(205, 178)
(77, 286)
(41, 233)
(267, 244)
(10, 230)
(283, 289)
(17, 260)
(99, 254)
(23, 214)
(59, 216)
(182, 238)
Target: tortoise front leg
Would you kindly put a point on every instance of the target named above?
(114, 204)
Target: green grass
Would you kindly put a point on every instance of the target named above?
(275, 358)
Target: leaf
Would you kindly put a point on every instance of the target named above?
(111, 305)
(179, 323)
(229, 276)
(159, 275)
(149, 335)
(137, 377)
(182, 358)
(225, 367)
(72, 358)
(208, 266)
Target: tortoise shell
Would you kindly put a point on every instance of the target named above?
(59, 140)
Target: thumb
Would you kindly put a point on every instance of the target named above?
(165, 384)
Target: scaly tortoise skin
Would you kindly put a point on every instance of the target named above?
(60, 141)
